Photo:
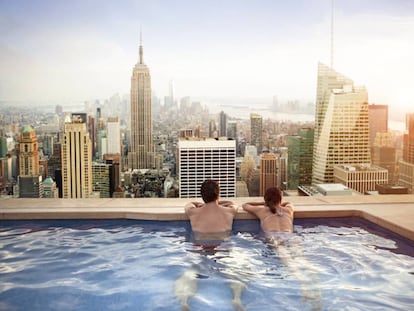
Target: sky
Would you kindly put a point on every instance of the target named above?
(73, 51)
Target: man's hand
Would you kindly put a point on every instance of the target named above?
(194, 205)
(226, 203)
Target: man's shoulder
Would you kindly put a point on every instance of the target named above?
(193, 207)
(229, 208)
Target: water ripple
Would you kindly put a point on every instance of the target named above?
(134, 265)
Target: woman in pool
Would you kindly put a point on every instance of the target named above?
(274, 215)
(276, 219)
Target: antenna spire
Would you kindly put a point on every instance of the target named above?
(332, 34)
(141, 50)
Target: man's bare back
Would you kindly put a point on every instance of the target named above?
(212, 217)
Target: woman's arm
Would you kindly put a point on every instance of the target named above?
(288, 207)
(253, 207)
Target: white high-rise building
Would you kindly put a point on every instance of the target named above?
(141, 152)
(113, 136)
(76, 159)
(203, 159)
(341, 125)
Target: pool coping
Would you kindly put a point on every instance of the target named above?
(393, 212)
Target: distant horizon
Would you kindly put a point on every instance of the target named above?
(396, 120)
(52, 51)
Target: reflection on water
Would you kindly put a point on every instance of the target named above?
(135, 265)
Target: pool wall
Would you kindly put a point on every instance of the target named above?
(393, 212)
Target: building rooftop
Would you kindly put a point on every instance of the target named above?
(360, 167)
(393, 212)
(27, 129)
(334, 189)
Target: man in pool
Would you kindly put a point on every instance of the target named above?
(211, 222)
(212, 216)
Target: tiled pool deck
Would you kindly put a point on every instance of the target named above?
(393, 212)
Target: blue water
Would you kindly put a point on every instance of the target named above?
(134, 265)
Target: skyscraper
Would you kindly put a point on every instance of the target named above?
(341, 125)
(141, 152)
(113, 136)
(30, 181)
(256, 128)
(223, 124)
(383, 153)
(201, 159)
(76, 159)
(212, 131)
(268, 172)
(232, 134)
(232, 130)
(300, 153)
(406, 175)
(378, 121)
(408, 147)
(172, 99)
(3, 147)
(28, 153)
(92, 133)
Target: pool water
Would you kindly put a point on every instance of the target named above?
(333, 264)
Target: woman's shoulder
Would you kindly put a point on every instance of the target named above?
(287, 205)
(288, 208)
(265, 213)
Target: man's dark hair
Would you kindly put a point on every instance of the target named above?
(210, 190)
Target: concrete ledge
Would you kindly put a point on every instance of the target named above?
(393, 212)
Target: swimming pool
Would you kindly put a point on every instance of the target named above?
(330, 264)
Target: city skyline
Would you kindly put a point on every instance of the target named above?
(80, 51)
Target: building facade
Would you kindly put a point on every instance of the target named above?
(256, 129)
(101, 179)
(268, 172)
(31, 186)
(406, 175)
(141, 152)
(341, 125)
(300, 155)
(28, 153)
(76, 159)
(199, 160)
(384, 154)
(408, 140)
(30, 179)
(223, 124)
(406, 165)
(113, 136)
(378, 121)
(361, 178)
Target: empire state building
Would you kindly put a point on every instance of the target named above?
(141, 151)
